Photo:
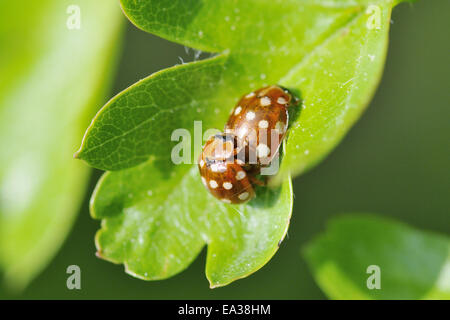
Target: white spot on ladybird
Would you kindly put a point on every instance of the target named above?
(250, 115)
(243, 196)
(240, 175)
(213, 184)
(263, 124)
(238, 110)
(226, 200)
(227, 185)
(204, 181)
(251, 94)
(202, 163)
(262, 150)
(281, 100)
(265, 101)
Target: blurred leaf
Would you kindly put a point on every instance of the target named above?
(330, 53)
(52, 78)
(413, 264)
(156, 225)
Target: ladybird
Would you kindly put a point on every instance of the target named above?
(231, 161)
(260, 119)
(222, 173)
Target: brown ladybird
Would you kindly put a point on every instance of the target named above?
(260, 119)
(220, 171)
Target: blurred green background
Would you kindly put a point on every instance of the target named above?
(393, 162)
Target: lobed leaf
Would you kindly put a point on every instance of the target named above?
(139, 121)
(156, 224)
(330, 52)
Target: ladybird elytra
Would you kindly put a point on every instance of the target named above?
(221, 174)
(260, 119)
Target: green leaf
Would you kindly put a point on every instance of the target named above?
(413, 264)
(157, 224)
(330, 52)
(52, 79)
(139, 121)
(323, 51)
(158, 216)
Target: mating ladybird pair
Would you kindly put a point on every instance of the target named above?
(230, 161)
